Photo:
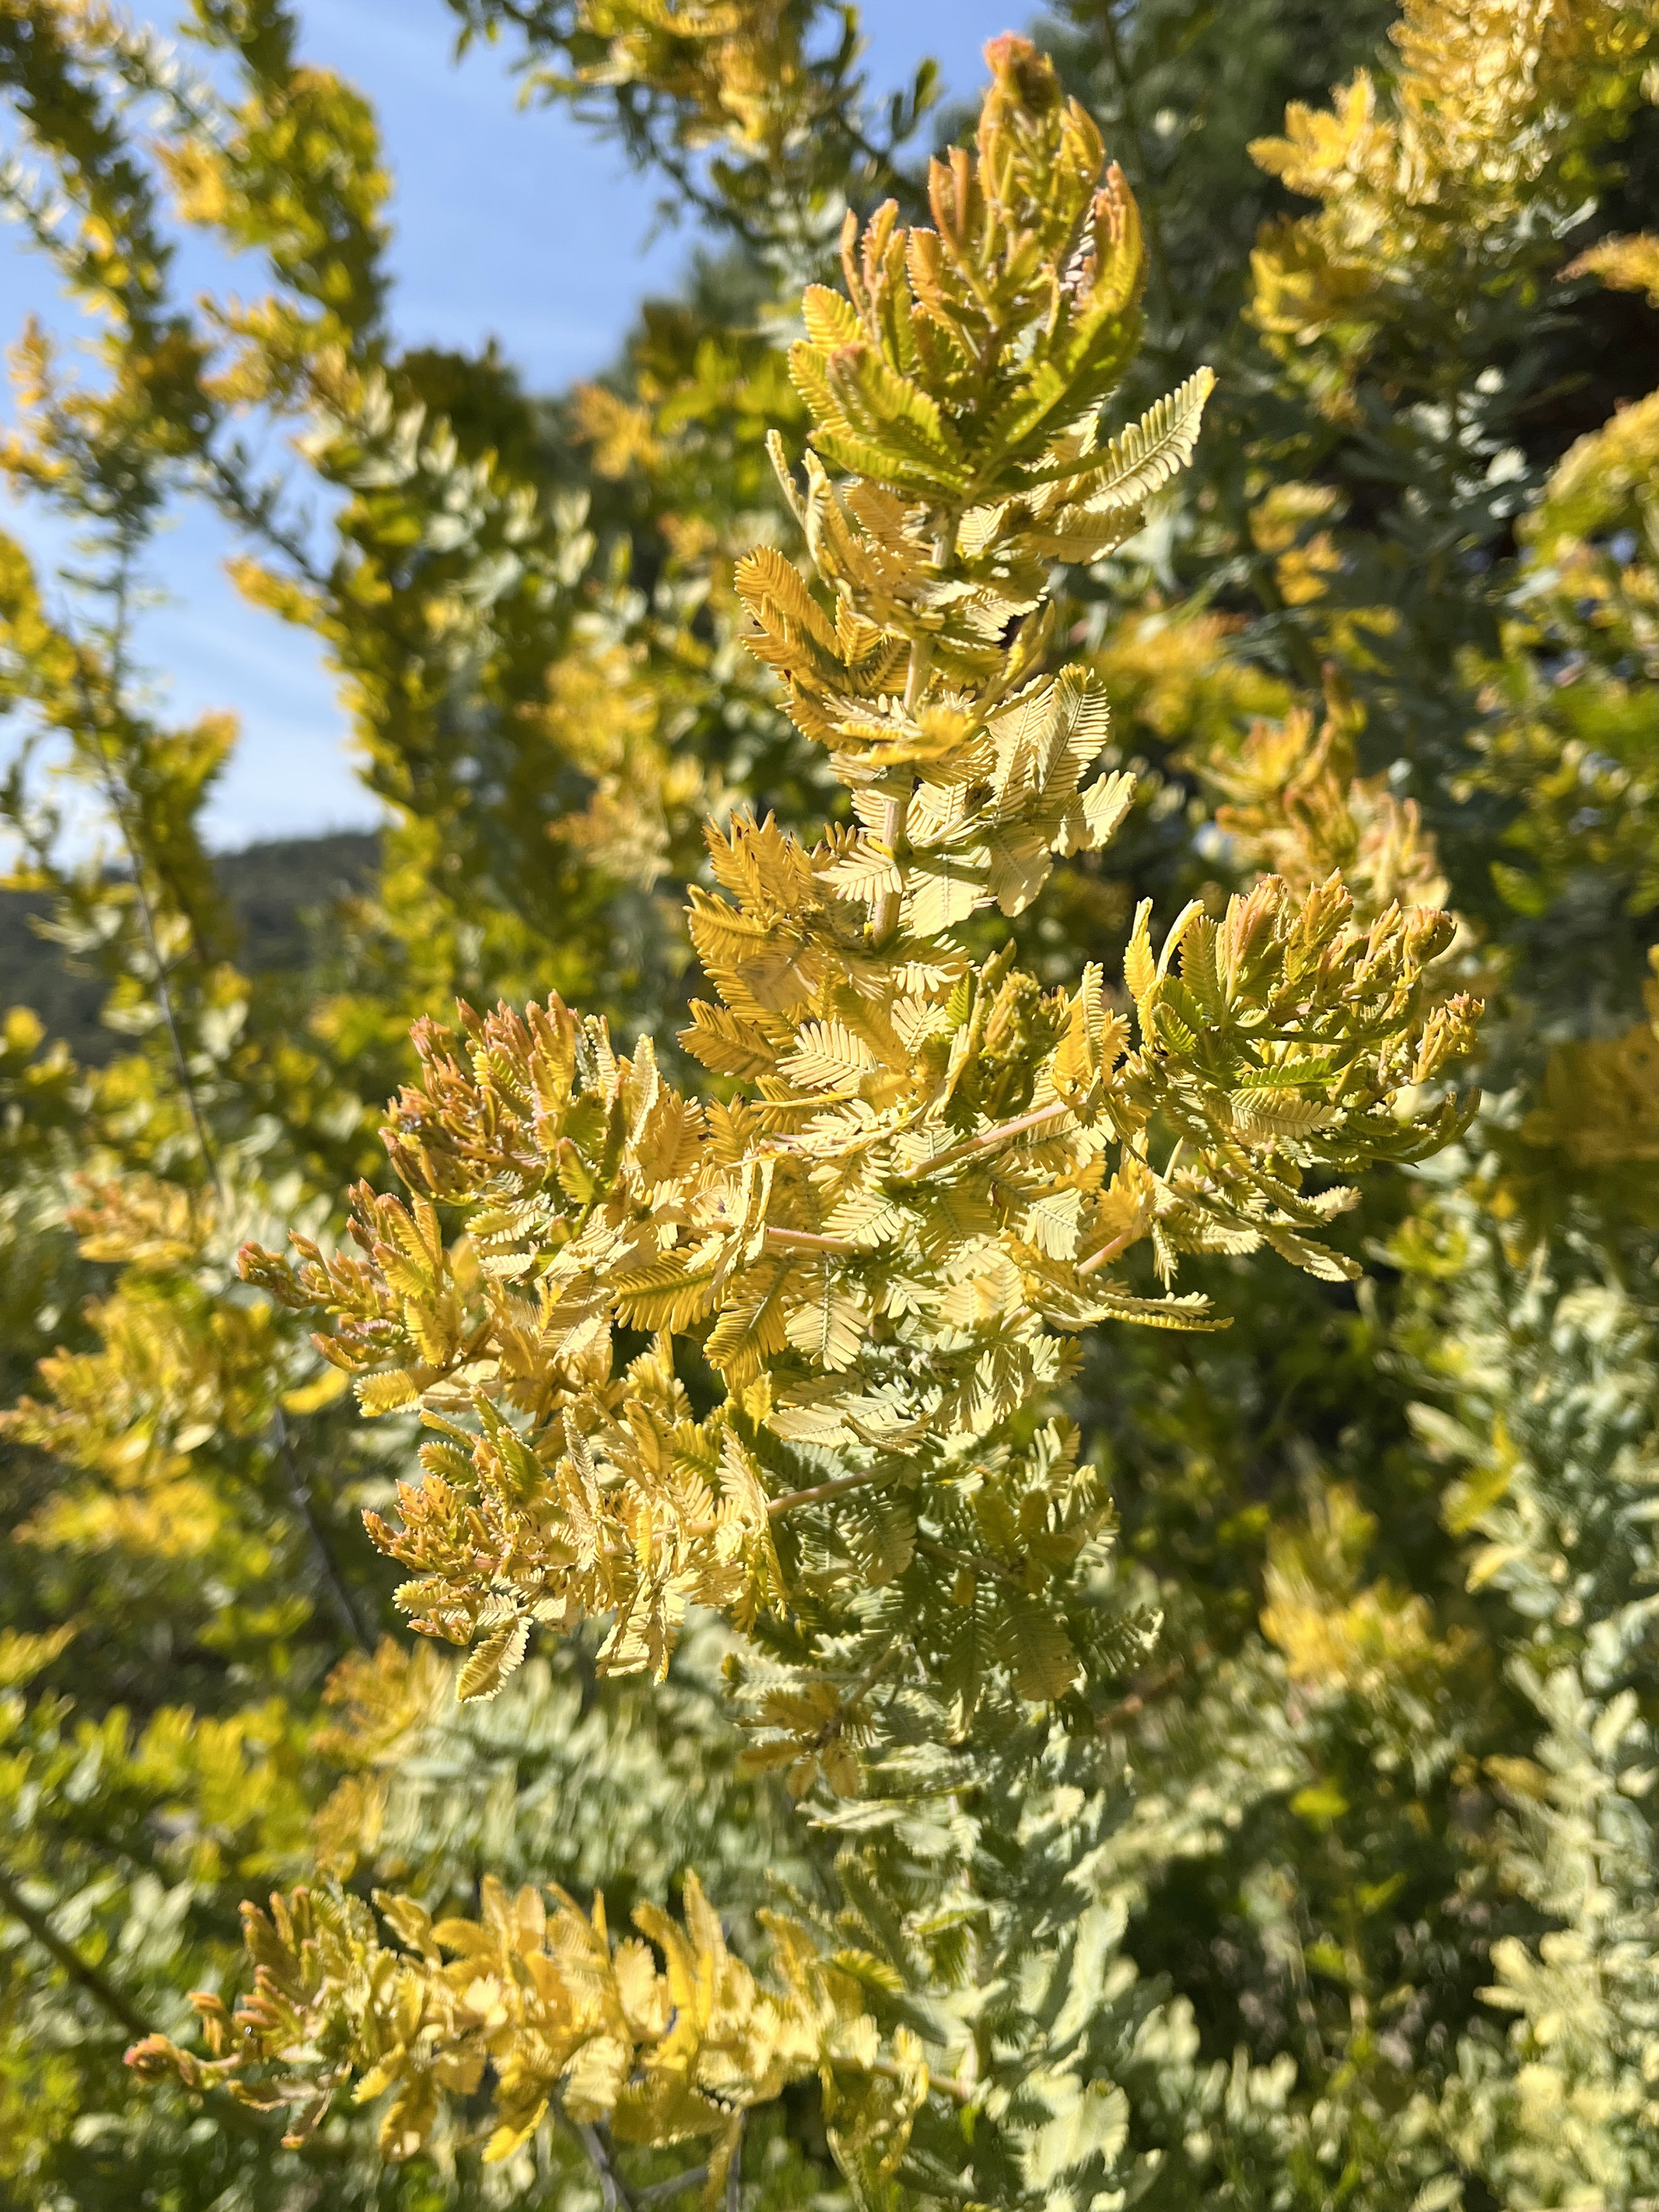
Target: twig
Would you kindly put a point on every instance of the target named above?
(117, 800)
(106, 1994)
(660, 2191)
(885, 915)
(960, 2093)
(113, 2001)
(1296, 643)
(109, 1998)
(1130, 1708)
(974, 1566)
(299, 1493)
(808, 1240)
(735, 2171)
(864, 1683)
(1106, 1254)
(987, 1141)
(614, 2194)
(1157, 256)
(776, 1507)
(256, 515)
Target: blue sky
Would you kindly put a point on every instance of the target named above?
(512, 222)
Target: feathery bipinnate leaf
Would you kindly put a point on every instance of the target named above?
(882, 1246)
(886, 1246)
(543, 2000)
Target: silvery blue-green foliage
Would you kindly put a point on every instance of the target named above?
(562, 1777)
(1546, 1416)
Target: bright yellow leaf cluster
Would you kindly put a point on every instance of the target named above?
(554, 2012)
(1493, 108)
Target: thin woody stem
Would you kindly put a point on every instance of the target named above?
(974, 1565)
(1156, 253)
(108, 1995)
(987, 1141)
(104, 1992)
(614, 2194)
(960, 2093)
(660, 2191)
(884, 918)
(1131, 1707)
(777, 1507)
(885, 915)
(836, 1726)
(808, 1240)
(299, 1493)
(1107, 1253)
(866, 1682)
(735, 2171)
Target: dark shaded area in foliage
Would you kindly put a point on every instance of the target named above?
(281, 893)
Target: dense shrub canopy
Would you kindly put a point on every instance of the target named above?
(999, 1347)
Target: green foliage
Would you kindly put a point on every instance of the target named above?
(879, 1250)
(755, 114)
(882, 1250)
(1043, 1762)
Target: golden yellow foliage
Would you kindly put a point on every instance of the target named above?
(554, 2011)
(884, 1244)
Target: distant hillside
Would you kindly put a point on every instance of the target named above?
(278, 892)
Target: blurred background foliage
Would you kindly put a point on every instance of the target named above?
(1377, 1883)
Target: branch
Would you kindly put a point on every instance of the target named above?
(104, 1992)
(660, 2191)
(112, 1999)
(256, 512)
(1106, 1254)
(614, 2194)
(299, 1491)
(735, 2171)
(960, 2093)
(117, 795)
(1157, 254)
(808, 1240)
(776, 1507)
(884, 915)
(974, 1565)
(987, 1141)
(1130, 1708)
